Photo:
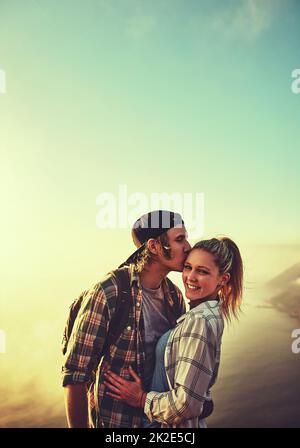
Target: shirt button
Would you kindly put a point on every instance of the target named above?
(129, 328)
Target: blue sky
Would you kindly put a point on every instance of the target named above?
(162, 96)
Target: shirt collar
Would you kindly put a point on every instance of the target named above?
(134, 276)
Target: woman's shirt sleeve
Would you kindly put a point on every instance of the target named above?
(194, 368)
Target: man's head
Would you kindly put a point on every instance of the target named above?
(160, 237)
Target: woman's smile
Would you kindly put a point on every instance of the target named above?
(192, 287)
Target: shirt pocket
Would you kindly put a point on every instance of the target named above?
(124, 348)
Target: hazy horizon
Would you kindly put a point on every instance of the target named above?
(31, 389)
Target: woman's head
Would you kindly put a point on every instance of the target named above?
(214, 267)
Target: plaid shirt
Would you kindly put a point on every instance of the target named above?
(84, 363)
(192, 358)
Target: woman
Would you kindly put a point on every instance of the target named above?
(188, 356)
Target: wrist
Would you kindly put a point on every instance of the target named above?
(143, 399)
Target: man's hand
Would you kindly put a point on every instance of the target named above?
(131, 392)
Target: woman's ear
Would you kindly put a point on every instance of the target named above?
(225, 278)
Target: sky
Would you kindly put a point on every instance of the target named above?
(173, 96)
(164, 96)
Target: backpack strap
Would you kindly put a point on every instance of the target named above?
(124, 304)
(73, 311)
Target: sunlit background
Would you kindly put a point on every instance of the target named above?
(161, 96)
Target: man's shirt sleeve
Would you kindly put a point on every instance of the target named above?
(87, 339)
(194, 368)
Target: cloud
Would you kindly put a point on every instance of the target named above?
(140, 26)
(30, 406)
(249, 20)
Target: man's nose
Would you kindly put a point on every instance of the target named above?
(187, 247)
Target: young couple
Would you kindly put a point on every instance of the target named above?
(159, 371)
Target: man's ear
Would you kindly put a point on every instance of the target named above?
(152, 245)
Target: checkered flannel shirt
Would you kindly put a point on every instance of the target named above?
(84, 362)
(192, 358)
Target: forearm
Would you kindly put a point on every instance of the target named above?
(172, 407)
(76, 403)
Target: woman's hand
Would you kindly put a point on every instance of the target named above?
(131, 392)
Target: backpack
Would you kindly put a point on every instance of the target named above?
(120, 317)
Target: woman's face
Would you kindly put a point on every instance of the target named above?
(200, 275)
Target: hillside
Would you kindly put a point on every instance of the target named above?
(286, 288)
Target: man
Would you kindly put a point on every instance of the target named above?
(162, 247)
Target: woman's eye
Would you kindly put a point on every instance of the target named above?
(202, 272)
(186, 266)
